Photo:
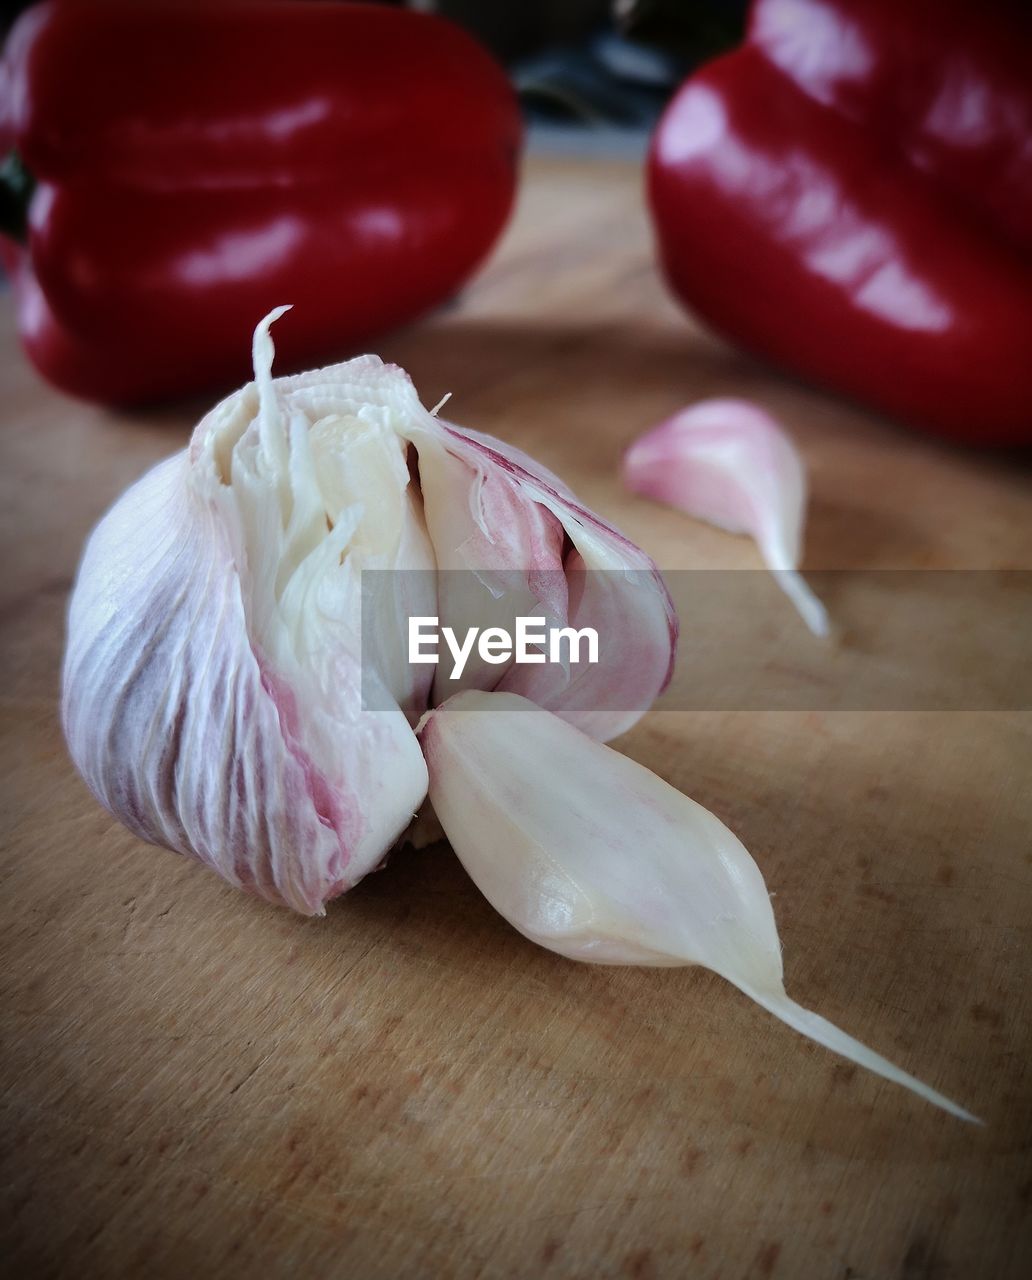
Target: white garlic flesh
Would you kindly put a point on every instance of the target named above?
(591, 855)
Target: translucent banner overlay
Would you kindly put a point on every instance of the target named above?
(905, 640)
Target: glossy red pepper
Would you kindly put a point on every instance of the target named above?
(849, 194)
(199, 163)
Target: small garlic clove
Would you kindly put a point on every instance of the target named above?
(591, 855)
(729, 462)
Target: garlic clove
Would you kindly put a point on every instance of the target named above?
(610, 585)
(356, 457)
(633, 620)
(591, 855)
(499, 555)
(729, 462)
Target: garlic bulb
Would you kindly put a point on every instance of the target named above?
(234, 687)
(216, 687)
(728, 462)
(591, 855)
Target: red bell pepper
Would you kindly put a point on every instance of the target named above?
(197, 164)
(849, 194)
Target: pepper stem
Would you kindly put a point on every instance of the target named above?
(16, 187)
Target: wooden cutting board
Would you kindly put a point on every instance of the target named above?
(194, 1083)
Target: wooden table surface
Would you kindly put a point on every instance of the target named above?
(196, 1084)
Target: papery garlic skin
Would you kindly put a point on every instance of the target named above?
(589, 854)
(185, 728)
(611, 586)
(730, 463)
(214, 673)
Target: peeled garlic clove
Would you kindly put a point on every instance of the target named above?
(729, 462)
(591, 855)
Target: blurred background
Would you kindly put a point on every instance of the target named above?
(611, 64)
(607, 63)
(847, 194)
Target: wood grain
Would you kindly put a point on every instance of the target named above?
(196, 1084)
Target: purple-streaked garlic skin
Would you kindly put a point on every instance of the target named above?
(213, 695)
(609, 584)
(186, 735)
(731, 463)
